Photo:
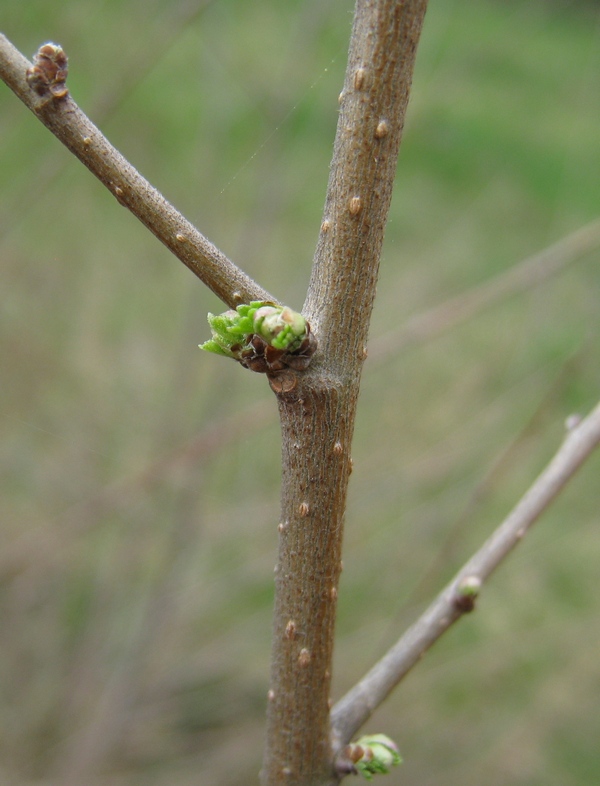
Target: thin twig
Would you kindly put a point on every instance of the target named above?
(357, 706)
(135, 67)
(505, 458)
(74, 129)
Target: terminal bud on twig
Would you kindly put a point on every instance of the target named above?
(263, 337)
(49, 71)
(371, 755)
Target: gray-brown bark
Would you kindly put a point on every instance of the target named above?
(317, 414)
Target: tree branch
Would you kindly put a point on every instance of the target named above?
(357, 706)
(136, 67)
(73, 128)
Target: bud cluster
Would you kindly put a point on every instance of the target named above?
(262, 336)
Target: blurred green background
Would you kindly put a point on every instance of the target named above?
(139, 476)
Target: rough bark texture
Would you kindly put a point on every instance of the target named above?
(317, 408)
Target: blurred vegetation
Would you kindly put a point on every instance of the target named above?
(139, 476)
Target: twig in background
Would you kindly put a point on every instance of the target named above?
(458, 597)
(528, 273)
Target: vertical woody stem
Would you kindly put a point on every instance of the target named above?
(316, 431)
(317, 408)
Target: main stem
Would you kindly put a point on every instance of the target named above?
(316, 430)
(317, 408)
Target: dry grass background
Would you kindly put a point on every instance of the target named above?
(139, 478)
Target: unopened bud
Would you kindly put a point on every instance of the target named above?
(379, 754)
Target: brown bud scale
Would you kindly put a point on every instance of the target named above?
(49, 71)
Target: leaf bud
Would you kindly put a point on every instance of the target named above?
(379, 754)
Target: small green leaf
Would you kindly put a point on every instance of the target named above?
(216, 348)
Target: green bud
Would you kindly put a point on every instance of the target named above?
(278, 326)
(282, 328)
(467, 593)
(379, 754)
(469, 586)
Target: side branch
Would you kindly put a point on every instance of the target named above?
(357, 706)
(73, 128)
